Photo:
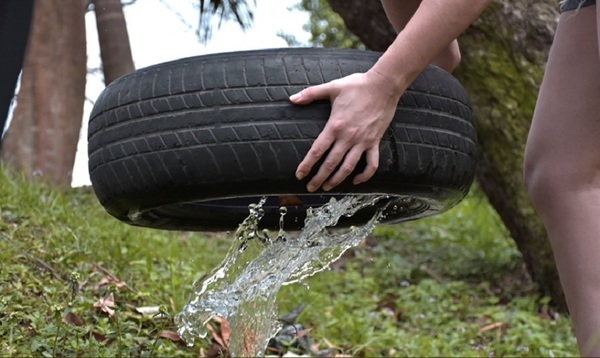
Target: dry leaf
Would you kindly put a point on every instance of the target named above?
(72, 318)
(225, 332)
(98, 337)
(215, 351)
(170, 335)
(106, 304)
(331, 345)
(148, 310)
(493, 326)
(215, 335)
(110, 281)
(303, 333)
(221, 336)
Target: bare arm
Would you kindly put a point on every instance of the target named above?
(363, 105)
(399, 12)
(434, 25)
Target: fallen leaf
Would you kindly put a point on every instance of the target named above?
(106, 304)
(148, 310)
(110, 281)
(170, 335)
(331, 345)
(291, 354)
(493, 326)
(303, 333)
(215, 351)
(223, 333)
(72, 318)
(98, 337)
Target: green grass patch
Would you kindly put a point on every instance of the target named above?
(448, 285)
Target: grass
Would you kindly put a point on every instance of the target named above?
(451, 285)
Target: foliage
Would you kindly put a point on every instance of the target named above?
(327, 28)
(238, 10)
(63, 258)
(447, 285)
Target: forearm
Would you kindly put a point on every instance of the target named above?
(434, 25)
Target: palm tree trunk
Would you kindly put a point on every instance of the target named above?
(115, 49)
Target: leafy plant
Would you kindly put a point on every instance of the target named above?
(449, 285)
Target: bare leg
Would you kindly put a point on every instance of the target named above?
(399, 13)
(562, 167)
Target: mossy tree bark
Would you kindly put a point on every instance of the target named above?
(504, 53)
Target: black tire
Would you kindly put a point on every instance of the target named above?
(188, 144)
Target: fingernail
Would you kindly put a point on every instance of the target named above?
(311, 188)
(296, 96)
(326, 187)
(300, 175)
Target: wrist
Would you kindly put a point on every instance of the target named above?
(391, 85)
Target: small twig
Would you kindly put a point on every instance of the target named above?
(436, 276)
(44, 265)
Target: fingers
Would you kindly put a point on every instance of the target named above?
(334, 158)
(319, 147)
(351, 130)
(350, 160)
(306, 96)
(371, 168)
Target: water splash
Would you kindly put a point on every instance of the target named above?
(244, 287)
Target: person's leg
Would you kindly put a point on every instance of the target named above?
(399, 13)
(562, 167)
(15, 20)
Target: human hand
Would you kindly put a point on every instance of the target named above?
(363, 105)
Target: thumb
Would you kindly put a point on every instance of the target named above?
(307, 95)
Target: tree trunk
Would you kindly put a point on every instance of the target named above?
(42, 138)
(504, 53)
(115, 49)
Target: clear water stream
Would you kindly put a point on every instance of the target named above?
(243, 288)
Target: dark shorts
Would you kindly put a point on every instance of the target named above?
(575, 4)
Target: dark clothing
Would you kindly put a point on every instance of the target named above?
(15, 23)
(575, 4)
